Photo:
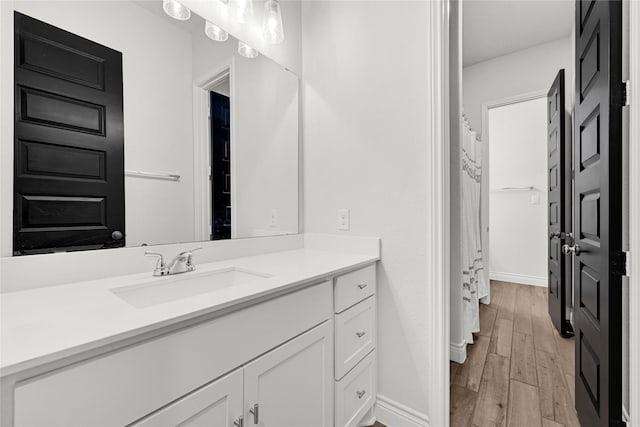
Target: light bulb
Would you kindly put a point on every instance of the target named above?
(244, 11)
(215, 33)
(176, 10)
(272, 29)
(246, 50)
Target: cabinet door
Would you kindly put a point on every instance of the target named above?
(292, 386)
(218, 404)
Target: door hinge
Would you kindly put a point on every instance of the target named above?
(621, 94)
(620, 264)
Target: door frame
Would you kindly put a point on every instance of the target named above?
(634, 212)
(484, 183)
(202, 150)
(439, 222)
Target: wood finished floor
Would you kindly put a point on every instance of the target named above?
(519, 371)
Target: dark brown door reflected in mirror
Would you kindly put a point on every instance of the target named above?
(69, 142)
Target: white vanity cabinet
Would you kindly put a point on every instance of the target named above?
(289, 386)
(302, 358)
(355, 338)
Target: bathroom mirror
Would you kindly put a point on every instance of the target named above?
(134, 128)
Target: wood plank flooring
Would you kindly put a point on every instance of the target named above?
(519, 371)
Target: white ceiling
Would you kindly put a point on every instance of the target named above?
(493, 28)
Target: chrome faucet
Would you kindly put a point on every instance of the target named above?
(182, 263)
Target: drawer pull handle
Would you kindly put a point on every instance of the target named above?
(254, 411)
(362, 285)
(361, 393)
(360, 334)
(239, 422)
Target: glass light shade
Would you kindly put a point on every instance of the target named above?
(246, 50)
(176, 10)
(272, 28)
(244, 11)
(215, 33)
(224, 1)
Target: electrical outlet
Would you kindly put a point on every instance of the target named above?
(273, 218)
(343, 220)
(535, 199)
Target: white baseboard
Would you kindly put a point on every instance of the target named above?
(458, 352)
(523, 279)
(394, 414)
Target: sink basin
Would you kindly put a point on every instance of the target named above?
(160, 290)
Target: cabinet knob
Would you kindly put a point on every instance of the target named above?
(254, 411)
(239, 422)
(117, 235)
(360, 334)
(362, 285)
(361, 393)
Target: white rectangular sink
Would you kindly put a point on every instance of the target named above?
(160, 290)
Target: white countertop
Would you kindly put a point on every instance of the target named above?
(49, 324)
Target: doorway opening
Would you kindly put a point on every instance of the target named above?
(220, 166)
(531, 220)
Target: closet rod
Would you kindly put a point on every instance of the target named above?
(528, 188)
(153, 175)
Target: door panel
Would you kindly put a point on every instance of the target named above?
(293, 384)
(559, 167)
(69, 141)
(598, 212)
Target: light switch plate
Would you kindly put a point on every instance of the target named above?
(343, 220)
(273, 218)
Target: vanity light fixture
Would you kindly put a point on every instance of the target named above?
(246, 50)
(244, 11)
(176, 10)
(215, 33)
(272, 28)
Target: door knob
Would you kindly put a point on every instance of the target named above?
(571, 249)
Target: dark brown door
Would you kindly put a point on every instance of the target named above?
(220, 166)
(559, 225)
(68, 142)
(598, 212)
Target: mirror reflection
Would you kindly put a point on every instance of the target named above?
(133, 128)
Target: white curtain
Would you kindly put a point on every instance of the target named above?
(474, 283)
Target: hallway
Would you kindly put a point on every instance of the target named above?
(519, 371)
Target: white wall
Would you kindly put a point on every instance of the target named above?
(365, 72)
(518, 158)
(521, 72)
(265, 147)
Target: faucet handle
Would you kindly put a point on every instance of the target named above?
(189, 254)
(160, 265)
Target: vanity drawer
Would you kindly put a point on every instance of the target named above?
(355, 393)
(355, 335)
(122, 386)
(353, 287)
